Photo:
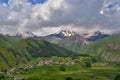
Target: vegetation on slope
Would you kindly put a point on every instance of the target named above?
(15, 51)
(78, 71)
(107, 49)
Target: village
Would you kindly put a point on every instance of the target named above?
(48, 62)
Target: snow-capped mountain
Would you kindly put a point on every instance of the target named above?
(26, 35)
(61, 34)
(68, 39)
(95, 36)
(65, 33)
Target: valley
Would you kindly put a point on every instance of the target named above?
(34, 59)
(59, 39)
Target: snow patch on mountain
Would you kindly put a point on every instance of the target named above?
(65, 33)
(95, 36)
(25, 35)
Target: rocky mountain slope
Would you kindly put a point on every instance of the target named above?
(95, 36)
(107, 49)
(67, 39)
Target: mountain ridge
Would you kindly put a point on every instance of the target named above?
(14, 52)
(70, 39)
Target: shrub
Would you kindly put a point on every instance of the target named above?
(117, 77)
(62, 68)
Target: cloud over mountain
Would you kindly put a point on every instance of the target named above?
(52, 15)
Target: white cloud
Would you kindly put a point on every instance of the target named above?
(77, 15)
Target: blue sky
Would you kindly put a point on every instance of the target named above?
(32, 1)
(4, 1)
(112, 5)
(36, 1)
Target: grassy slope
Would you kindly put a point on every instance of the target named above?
(7, 57)
(14, 51)
(107, 49)
(97, 71)
(75, 72)
(27, 49)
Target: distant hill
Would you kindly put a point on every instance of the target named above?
(15, 51)
(68, 39)
(97, 36)
(107, 49)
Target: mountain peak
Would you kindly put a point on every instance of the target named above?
(25, 34)
(95, 36)
(97, 33)
(65, 33)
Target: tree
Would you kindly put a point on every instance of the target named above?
(69, 78)
(1, 76)
(117, 77)
(88, 64)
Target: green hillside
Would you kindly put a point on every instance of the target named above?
(30, 59)
(15, 51)
(107, 49)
